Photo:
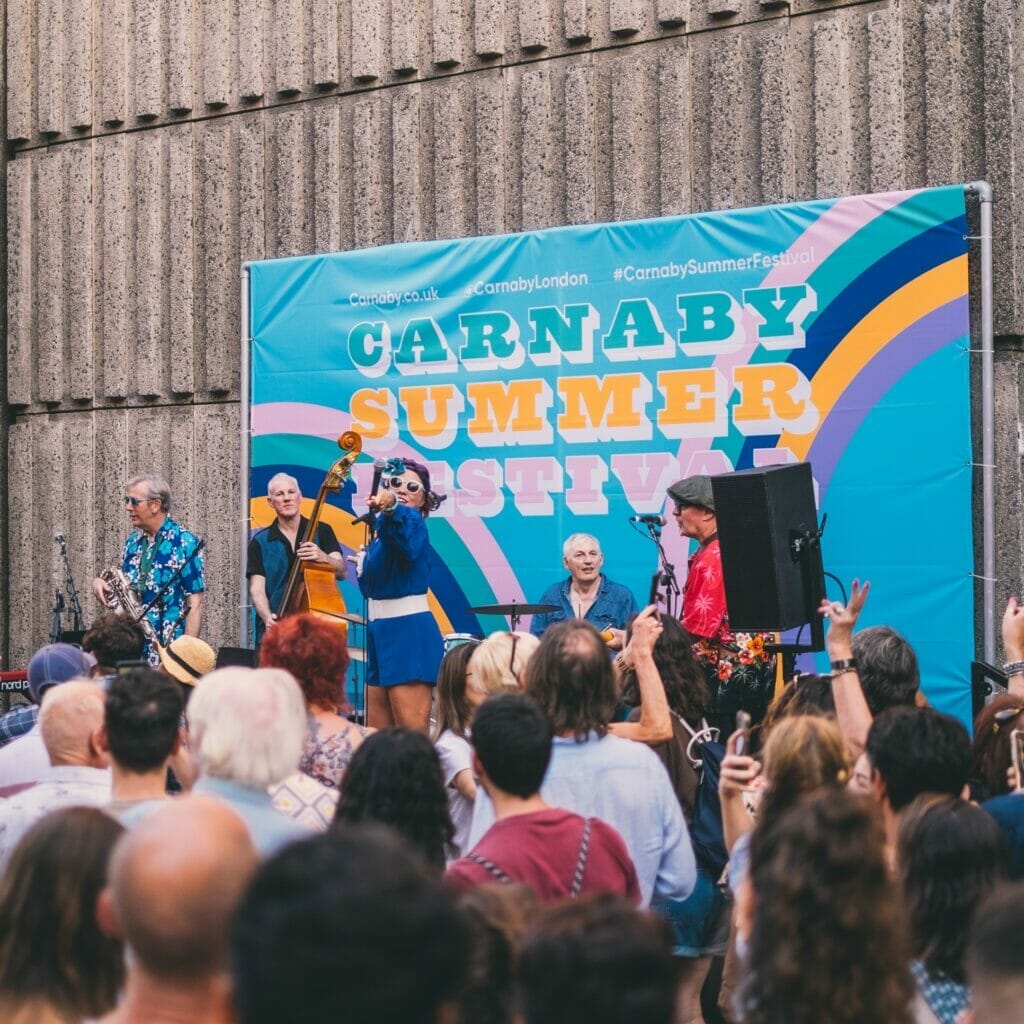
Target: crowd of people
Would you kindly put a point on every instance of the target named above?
(263, 858)
(569, 840)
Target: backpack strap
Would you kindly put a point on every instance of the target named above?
(490, 867)
(581, 861)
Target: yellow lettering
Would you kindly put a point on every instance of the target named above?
(592, 402)
(372, 413)
(514, 406)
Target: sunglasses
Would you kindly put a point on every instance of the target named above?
(1004, 716)
(396, 483)
(135, 502)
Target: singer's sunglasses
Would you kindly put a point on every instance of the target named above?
(396, 483)
(135, 502)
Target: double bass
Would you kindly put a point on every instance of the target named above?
(311, 586)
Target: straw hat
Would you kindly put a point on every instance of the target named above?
(187, 658)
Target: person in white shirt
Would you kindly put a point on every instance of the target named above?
(70, 722)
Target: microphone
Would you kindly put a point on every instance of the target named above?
(59, 538)
(648, 520)
(379, 465)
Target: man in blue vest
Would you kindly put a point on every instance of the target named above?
(273, 550)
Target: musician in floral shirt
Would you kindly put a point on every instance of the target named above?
(739, 673)
(154, 551)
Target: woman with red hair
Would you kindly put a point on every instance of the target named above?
(316, 654)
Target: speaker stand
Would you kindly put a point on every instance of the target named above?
(805, 548)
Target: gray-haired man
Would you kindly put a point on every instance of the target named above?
(155, 551)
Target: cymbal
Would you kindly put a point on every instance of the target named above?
(514, 609)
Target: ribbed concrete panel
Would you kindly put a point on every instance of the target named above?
(51, 290)
(407, 172)
(21, 90)
(217, 53)
(113, 272)
(180, 243)
(113, 43)
(149, 93)
(180, 57)
(492, 144)
(634, 140)
(81, 291)
(20, 282)
(99, 65)
(581, 144)
(327, 178)
(885, 73)
(453, 178)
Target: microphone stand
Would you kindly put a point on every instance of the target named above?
(69, 584)
(666, 574)
(58, 609)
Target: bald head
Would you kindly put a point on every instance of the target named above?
(70, 719)
(175, 881)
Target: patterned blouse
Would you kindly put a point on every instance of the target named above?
(326, 757)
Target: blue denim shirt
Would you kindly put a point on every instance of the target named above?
(614, 607)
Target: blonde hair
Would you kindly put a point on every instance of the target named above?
(248, 725)
(499, 662)
(803, 754)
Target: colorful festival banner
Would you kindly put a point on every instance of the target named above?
(559, 381)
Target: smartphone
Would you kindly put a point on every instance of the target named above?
(743, 727)
(1017, 754)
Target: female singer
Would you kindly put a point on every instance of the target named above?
(403, 648)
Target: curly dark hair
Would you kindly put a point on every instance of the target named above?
(114, 637)
(990, 749)
(950, 856)
(571, 679)
(685, 685)
(315, 653)
(453, 708)
(597, 960)
(395, 779)
(827, 934)
(497, 917)
(51, 949)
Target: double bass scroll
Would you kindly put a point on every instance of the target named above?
(311, 586)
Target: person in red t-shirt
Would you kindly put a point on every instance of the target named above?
(557, 853)
(739, 672)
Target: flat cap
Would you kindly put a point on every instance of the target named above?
(694, 490)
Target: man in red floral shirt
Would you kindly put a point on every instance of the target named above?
(740, 675)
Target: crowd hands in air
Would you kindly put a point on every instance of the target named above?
(190, 844)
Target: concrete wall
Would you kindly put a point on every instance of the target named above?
(155, 145)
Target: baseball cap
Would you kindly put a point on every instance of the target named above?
(56, 663)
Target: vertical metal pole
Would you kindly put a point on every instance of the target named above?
(245, 439)
(983, 190)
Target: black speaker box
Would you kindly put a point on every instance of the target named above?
(244, 656)
(759, 513)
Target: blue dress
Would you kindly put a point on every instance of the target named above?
(400, 648)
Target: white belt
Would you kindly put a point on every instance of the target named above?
(394, 607)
